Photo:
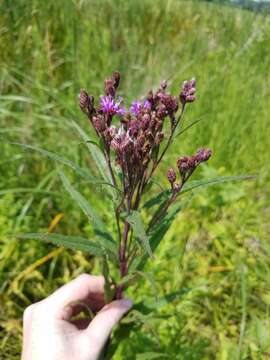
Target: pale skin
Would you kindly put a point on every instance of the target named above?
(50, 333)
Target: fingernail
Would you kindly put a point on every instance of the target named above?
(127, 303)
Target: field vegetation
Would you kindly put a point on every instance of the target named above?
(210, 297)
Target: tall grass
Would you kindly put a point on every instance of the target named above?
(51, 49)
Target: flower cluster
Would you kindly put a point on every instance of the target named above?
(138, 138)
(186, 166)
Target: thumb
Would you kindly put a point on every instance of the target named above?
(101, 326)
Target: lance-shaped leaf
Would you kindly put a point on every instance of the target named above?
(99, 226)
(96, 153)
(157, 234)
(135, 220)
(191, 185)
(98, 158)
(62, 160)
(157, 199)
(67, 241)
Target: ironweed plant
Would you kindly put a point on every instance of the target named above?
(134, 142)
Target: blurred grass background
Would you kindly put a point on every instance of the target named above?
(218, 249)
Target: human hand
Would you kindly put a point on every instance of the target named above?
(49, 332)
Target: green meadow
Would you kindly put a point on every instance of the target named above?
(210, 287)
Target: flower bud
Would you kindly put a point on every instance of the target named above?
(176, 187)
(159, 125)
(99, 123)
(113, 131)
(183, 164)
(159, 138)
(145, 121)
(116, 79)
(188, 91)
(203, 155)
(163, 84)
(161, 111)
(152, 124)
(109, 88)
(140, 141)
(86, 102)
(171, 176)
(150, 97)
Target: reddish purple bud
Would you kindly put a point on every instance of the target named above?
(99, 123)
(140, 141)
(109, 88)
(159, 138)
(113, 131)
(183, 164)
(152, 124)
(159, 125)
(150, 97)
(176, 187)
(170, 102)
(188, 91)
(171, 176)
(161, 111)
(145, 121)
(134, 128)
(163, 84)
(116, 79)
(203, 154)
(86, 102)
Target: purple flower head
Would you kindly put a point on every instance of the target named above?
(138, 107)
(109, 106)
(188, 91)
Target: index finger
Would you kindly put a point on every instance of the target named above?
(82, 288)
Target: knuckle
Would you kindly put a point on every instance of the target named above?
(84, 277)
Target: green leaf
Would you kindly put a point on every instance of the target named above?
(157, 199)
(158, 233)
(96, 153)
(191, 185)
(99, 160)
(130, 278)
(135, 220)
(99, 226)
(147, 308)
(83, 172)
(71, 242)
